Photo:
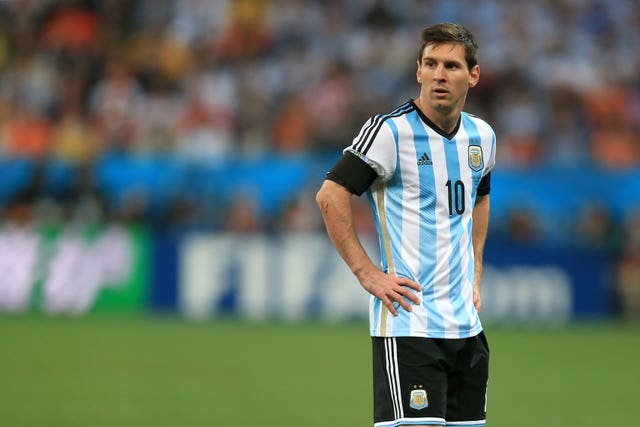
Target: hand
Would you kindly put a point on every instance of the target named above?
(477, 299)
(391, 289)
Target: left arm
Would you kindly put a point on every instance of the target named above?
(479, 235)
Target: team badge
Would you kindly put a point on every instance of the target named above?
(476, 162)
(418, 399)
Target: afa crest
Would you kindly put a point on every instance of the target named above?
(476, 161)
(418, 399)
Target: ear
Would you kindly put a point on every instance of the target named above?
(418, 73)
(474, 76)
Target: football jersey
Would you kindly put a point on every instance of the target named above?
(422, 203)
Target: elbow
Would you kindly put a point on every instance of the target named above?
(322, 199)
(332, 195)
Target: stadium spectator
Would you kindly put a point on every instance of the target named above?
(74, 141)
(332, 99)
(27, 133)
(292, 126)
(243, 216)
(596, 228)
(113, 104)
(212, 82)
(158, 117)
(300, 215)
(71, 26)
(565, 137)
(246, 35)
(204, 136)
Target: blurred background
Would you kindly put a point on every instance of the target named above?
(164, 155)
(159, 162)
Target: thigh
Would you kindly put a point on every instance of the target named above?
(409, 380)
(467, 392)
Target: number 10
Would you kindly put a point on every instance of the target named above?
(456, 197)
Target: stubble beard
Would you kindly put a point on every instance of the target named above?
(445, 110)
(448, 107)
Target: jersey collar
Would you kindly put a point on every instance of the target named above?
(435, 127)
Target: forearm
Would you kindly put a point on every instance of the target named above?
(479, 235)
(335, 206)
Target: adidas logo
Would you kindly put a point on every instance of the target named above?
(424, 160)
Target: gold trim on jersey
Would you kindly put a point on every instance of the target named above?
(386, 241)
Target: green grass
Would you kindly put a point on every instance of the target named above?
(101, 371)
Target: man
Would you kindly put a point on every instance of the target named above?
(425, 168)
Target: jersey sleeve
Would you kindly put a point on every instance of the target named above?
(484, 187)
(375, 144)
(352, 173)
(491, 161)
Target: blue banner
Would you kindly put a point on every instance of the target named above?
(301, 277)
(553, 282)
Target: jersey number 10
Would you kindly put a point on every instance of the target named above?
(456, 197)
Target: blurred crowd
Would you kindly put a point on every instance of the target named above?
(206, 83)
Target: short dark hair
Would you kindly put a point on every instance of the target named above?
(448, 32)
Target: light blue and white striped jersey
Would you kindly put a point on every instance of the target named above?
(422, 204)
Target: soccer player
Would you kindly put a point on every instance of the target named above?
(425, 168)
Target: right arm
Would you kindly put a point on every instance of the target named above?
(334, 201)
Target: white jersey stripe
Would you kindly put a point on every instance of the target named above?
(477, 423)
(396, 377)
(412, 421)
(391, 352)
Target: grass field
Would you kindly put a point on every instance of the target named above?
(101, 371)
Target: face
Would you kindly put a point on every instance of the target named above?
(445, 79)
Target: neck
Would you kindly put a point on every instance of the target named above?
(446, 118)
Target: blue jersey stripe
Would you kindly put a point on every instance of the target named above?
(427, 248)
(456, 230)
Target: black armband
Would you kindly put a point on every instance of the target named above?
(352, 173)
(485, 185)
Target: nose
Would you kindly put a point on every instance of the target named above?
(439, 73)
